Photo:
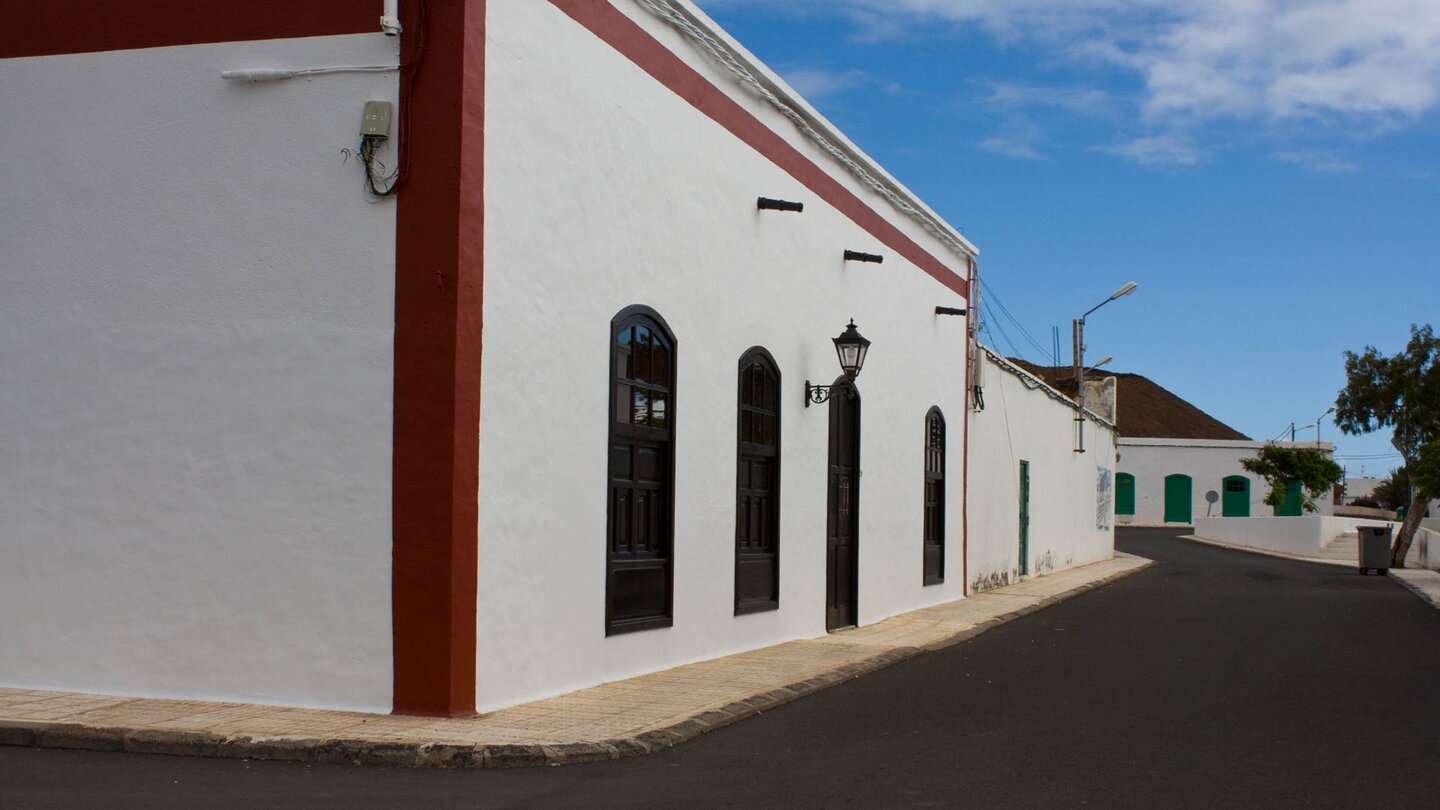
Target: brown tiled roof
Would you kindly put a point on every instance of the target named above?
(1145, 410)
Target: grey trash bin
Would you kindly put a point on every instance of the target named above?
(1374, 549)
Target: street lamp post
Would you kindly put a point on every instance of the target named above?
(1078, 354)
(1318, 420)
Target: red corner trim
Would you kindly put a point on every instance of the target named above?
(625, 36)
(48, 27)
(439, 273)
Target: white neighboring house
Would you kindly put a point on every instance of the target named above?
(1035, 505)
(1358, 487)
(1172, 481)
(533, 424)
(1172, 456)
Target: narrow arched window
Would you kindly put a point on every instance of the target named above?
(934, 497)
(640, 531)
(757, 484)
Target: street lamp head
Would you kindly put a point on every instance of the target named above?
(851, 347)
(1107, 358)
(1124, 291)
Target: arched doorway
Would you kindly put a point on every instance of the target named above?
(1177, 498)
(1236, 499)
(842, 522)
(1124, 494)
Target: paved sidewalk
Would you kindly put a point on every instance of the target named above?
(1425, 584)
(624, 718)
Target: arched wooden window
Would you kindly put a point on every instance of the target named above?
(757, 485)
(934, 497)
(639, 569)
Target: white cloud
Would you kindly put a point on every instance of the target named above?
(1083, 100)
(1203, 60)
(1157, 150)
(1011, 148)
(1321, 161)
(818, 83)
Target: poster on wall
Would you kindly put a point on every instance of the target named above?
(1104, 498)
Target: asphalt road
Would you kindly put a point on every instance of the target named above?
(1214, 679)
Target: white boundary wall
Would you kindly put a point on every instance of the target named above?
(1304, 536)
(605, 189)
(1208, 462)
(196, 341)
(1021, 421)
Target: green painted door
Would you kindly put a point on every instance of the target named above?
(1291, 506)
(1177, 498)
(1024, 518)
(1124, 494)
(1236, 502)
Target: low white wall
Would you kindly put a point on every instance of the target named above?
(1021, 422)
(1425, 551)
(1304, 536)
(196, 342)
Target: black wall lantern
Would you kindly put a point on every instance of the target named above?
(851, 347)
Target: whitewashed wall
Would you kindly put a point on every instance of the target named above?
(1303, 536)
(605, 189)
(1020, 422)
(196, 329)
(1208, 462)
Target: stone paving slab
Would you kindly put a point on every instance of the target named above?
(624, 718)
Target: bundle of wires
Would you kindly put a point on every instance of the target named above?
(377, 182)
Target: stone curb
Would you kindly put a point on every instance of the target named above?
(1416, 588)
(444, 755)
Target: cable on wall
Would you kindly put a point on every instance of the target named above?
(666, 10)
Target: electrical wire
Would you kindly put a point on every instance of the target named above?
(991, 320)
(1004, 310)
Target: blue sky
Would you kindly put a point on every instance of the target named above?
(1267, 170)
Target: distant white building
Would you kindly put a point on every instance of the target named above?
(1359, 487)
(1177, 463)
(1174, 481)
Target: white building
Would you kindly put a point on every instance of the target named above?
(1175, 462)
(523, 427)
(1178, 480)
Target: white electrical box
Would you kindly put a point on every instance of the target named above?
(375, 123)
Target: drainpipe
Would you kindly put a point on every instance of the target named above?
(390, 19)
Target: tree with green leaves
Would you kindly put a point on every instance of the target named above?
(1400, 392)
(1427, 471)
(1393, 491)
(1279, 466)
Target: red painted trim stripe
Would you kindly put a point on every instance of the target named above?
(49, 27)
(627, 37)
(439, 278)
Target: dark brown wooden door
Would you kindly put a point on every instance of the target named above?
(642, 417)
(843, 514)
(934, 553)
